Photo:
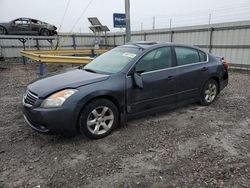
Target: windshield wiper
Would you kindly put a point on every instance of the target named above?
(90, 70)
(81, 67)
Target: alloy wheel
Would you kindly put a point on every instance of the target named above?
(210, 92)
(100, 120)
(45, 32)
(2, 31)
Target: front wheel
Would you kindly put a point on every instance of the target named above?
(45, 32)
(209, 92)
(3, 31)
(98, 118)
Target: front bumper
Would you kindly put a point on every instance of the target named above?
(54, 32)
(61, 120)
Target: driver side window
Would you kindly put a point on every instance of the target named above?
(21, 21)
(18, 22)
(155, 60)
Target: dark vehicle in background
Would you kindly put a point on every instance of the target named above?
(127, 81)
(27, 26)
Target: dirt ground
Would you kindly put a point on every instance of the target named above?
(192, 146)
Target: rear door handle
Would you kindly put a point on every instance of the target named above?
(170, 77)
(204, 69)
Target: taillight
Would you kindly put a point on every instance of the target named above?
(225, 64)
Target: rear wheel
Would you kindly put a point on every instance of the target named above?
(209, 92)
(3, 31)
(98, 118)
(45, 32)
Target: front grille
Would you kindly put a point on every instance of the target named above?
(30, 98)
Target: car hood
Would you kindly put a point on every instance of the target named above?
(69, 79)
(4, 23)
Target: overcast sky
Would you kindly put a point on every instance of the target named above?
(182, 12)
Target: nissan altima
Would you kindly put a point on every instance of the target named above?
(128, 81)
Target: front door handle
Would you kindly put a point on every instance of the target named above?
(170, 77)
(204, 69)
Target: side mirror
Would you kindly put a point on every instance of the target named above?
(138, 80)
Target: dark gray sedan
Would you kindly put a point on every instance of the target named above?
(27, 26)
(130, 80)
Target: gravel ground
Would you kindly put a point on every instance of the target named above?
(192, 146)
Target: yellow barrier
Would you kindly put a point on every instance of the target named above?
(42, 58)
(69, 52)
(61, 56)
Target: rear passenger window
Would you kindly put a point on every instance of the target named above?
(203, 56)
(186, 56)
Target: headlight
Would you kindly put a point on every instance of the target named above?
(57, 99)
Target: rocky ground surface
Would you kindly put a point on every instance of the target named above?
(192, 146)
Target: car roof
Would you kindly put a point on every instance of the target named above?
(148, 44)
(24, 18)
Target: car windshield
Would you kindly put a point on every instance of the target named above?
(112, 61)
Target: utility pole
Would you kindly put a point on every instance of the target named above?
(127, 12)
(209, 19)
(170, 24)
(170, 30)
(153, 22)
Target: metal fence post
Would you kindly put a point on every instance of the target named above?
(114, 41)
(145, 36)
(37, 44)
(23, 41)
(1, 53)
(124, 38)
(93, 53)
(211, 39)
(41, 68)
(74, 41)
(106, 40)
(171, 36)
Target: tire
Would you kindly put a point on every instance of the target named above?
(98, 119)
(45, 32)
(3, 31)
(209, 92)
